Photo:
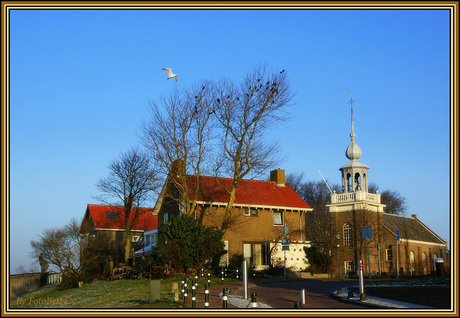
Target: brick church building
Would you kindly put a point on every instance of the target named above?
(361, 230)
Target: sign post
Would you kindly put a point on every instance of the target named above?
(397, 254)
(285, 248)
(366, 232)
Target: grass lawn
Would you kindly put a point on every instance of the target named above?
(126, 293)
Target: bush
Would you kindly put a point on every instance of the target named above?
(319, 260)
(184, 246)
(236, 261)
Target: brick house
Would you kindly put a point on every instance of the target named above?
(262, 209)
(105, 224)
(356, 208)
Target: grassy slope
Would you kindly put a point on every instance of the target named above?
(103, 294)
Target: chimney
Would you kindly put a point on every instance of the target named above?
(177, 167)
(278, 177)
(414, 216)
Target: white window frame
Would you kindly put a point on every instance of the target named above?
(347, 235)
(281, 216)
(348, 265)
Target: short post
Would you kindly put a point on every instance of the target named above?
(236, 274)
(193, 296)
(209, 278)
(206, 295)
(254, 300)
(224, 298)
(361, 281)
(185, 294)
(196, 280)
(297, 305)
(174, 292)
(245, 279)
(222, 276)
(182, 286)
(302, 296)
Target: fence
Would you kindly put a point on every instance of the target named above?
(24, 283)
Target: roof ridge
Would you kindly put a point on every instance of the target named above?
(117, 206)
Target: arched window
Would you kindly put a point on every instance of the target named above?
(425, 270)
(412, 262)
(347, 235)
(349, 185)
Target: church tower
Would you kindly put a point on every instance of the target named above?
(355, 189)
(353, 209)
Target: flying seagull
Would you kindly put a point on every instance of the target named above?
(170, 74)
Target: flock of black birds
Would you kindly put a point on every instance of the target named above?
(273, 89)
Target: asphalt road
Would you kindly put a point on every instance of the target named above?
(280, 294)
(284, 294)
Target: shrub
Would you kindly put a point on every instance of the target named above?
(319, 260)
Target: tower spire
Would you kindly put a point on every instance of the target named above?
(352, 135)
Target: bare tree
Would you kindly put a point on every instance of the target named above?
(130, 183)
(244, 114)
(395, 202)
(178, 136)
(60, 247)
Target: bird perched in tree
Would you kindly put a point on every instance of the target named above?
(170, 74)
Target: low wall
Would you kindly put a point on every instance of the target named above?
(433, 296)
(307, 275)
(24, 283)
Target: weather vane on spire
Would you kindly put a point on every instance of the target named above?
(352, 135)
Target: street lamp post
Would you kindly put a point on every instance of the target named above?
(337, 236)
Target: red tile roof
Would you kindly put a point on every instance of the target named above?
(144, 222)
(249, 192)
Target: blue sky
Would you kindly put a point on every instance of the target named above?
(81, 82)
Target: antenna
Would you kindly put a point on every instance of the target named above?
(324, 180)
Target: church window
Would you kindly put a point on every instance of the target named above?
(348, 267)
(412, 262)
(389, 255)
(347, 235)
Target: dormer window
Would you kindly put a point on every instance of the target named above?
(112, 215)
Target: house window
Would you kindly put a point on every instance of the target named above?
(389, 255)
(347, 235)
(250, 211)
(112, 215)
(151, 239)
(166, 217)
(278, 218)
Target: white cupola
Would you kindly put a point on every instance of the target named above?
(354, 173)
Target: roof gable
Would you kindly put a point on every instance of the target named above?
(411, 228)
(112, 217)
(249, 192)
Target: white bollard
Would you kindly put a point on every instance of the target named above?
(302, 296)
